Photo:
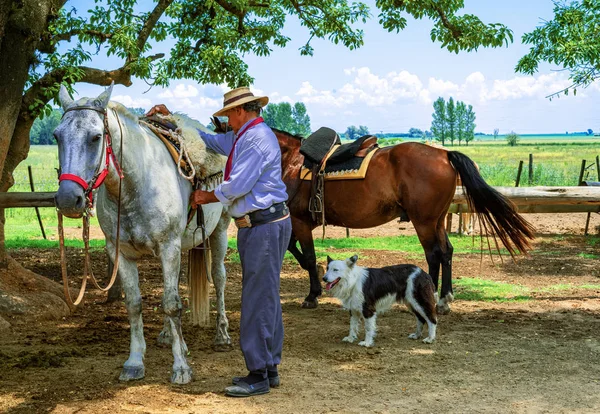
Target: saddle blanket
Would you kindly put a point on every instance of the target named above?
(358, 171)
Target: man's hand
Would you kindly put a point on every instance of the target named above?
(199, 197)
(158, 109)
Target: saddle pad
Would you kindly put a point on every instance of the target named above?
(353, 169)
(318, 144)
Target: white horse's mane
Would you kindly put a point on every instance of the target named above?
(120, 109)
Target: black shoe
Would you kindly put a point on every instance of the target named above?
(273, 380)
(242, 389)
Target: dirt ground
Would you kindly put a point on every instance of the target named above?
(513, 357)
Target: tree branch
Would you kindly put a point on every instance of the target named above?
(150, 22)
(103, 37)
(456, 33)
(90, 75)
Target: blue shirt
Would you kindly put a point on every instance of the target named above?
(255, 181)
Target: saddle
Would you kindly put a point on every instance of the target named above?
(164, 130)
(326, 158)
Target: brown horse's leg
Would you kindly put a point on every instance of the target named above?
(438, 253)
(428, 238)
(298, 255)
(308, 262)
(447, 250)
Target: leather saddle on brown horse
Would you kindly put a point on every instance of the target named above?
(326, 158)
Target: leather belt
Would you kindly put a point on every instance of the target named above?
(258, 217)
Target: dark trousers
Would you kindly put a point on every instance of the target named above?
(261, 326)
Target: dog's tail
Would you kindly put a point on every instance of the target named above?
(424, 294)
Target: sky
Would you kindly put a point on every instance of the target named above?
(390, 83)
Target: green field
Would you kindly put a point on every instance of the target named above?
(556, 162)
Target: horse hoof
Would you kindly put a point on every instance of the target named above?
(164, 339)
(442, 309)
(132, 373)
(182, 376)
(310, 304)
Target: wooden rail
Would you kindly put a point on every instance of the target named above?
(8, 200)
(527, 199)
(541, 199)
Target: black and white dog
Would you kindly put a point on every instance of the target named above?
(368, 291)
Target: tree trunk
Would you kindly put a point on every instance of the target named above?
(22, 24)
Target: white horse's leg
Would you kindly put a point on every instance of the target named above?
(170, 257)
(134, 366)
(218, 245)
(165, 337)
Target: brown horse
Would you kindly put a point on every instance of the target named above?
(406, 180)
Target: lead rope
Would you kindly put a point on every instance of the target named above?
(87, 269)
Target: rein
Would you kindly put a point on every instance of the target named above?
(88, 187)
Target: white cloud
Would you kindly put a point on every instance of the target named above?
(276, 97)
(181, 90)
(133, 102)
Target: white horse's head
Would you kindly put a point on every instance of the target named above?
(80, 149)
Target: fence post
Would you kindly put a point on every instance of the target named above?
(37, 210)
(530, 169)
(581, 171)
(598, 166)
(347, 232)
(519, 171)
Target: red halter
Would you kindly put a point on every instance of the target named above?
(100, 175)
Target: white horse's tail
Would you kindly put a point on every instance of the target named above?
(199, 286)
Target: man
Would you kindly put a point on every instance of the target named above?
(255, 195)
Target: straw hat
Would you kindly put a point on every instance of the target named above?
(239, 96)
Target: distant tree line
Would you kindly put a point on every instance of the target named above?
(453, 122)
(353, 132)
(288, 118)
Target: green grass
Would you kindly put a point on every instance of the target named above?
(343, 248)
(473, 289)
(19, 242)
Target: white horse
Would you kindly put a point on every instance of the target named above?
(153, 213)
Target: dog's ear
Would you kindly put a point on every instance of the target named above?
(329, 260)
(352, 261)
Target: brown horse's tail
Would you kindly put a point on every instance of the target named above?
(199, 286)
(497, 213)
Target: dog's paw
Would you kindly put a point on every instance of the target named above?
(365, 344)
(428, 340)
(414, 336)
(349, 338)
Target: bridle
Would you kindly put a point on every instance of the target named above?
(88, 187)
(100, 175)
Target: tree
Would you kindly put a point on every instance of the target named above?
(461, 121)
(496, 132)
(512, 139)
(439, 125)
(301, 120)
(279, 116)
(416, 133)
(362, 131)
(43, 128)
(569, 40)
(46, 43)
(451, 119)
(352, 133)
(286, 118)
(470, 125)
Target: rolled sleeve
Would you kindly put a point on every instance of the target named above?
(245, 173)
(219, 143)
